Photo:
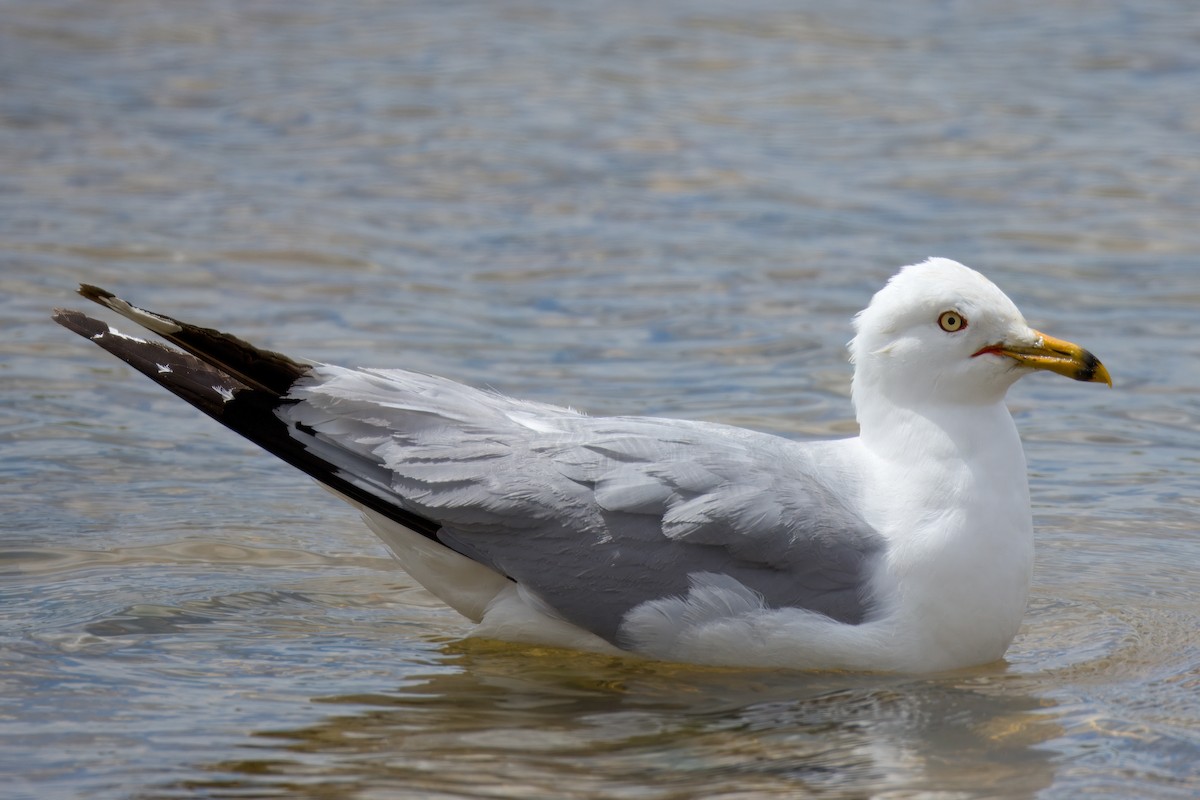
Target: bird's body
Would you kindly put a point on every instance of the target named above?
(907, 548)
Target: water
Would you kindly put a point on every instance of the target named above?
(668, 208)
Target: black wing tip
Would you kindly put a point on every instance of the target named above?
(254, 366)
(224, 397)
(95, 293)
(78, 322)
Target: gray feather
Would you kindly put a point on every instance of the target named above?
(628, 507)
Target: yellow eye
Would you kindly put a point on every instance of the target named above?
(951, 321)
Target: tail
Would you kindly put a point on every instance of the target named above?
(237, 384)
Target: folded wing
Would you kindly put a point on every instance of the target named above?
(594, 515)
(591, 516)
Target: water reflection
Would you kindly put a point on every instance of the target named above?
(546, 723)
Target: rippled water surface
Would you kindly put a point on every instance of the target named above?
(670, 208)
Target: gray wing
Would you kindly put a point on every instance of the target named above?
(593, 515)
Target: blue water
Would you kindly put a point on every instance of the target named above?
(667, 208)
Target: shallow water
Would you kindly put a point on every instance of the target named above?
(669, 208)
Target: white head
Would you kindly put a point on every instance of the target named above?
(940, 333)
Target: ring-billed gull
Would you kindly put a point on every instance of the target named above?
(906, 548)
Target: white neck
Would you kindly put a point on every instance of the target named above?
(958, 578)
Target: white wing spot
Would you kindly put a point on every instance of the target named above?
(126, 336)
(225, 392)
(163, 367)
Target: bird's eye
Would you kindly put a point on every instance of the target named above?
(951, 321)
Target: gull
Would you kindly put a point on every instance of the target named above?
(907, 548)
